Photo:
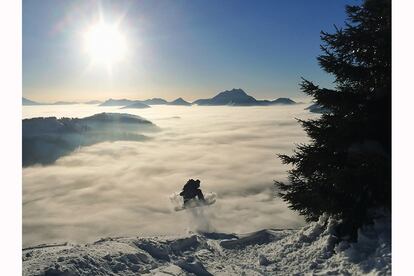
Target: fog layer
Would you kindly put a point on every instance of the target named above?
(122, 188)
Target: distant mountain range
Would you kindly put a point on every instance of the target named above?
(26, 101)
(234, 97)
(237, 97)
(143, 104)
(154, 101)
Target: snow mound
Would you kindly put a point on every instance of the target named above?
(178, 201)
(311, 250)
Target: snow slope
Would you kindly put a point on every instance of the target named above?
(310, 250)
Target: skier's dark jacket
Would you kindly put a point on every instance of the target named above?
(191, 190)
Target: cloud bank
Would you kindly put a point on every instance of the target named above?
(122, 188)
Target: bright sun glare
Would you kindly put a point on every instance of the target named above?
(104, 43)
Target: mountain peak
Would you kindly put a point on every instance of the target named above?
(155, 101)
(179, 101)
(234, 91)
(113, 102)
(283, 101)
(235, 96)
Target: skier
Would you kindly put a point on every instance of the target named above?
(192, 190)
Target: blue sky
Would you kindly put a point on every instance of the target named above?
(191, 49)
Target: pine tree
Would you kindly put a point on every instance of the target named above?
(345, 170)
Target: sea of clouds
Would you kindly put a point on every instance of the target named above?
(123, 188)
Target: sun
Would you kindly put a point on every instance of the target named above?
(105, 43)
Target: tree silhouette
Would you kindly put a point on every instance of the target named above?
(345, 170)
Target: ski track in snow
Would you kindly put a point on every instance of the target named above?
(312, 250)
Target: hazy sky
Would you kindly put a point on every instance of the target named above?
(191, 49)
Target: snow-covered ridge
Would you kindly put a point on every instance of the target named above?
(312, 249)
